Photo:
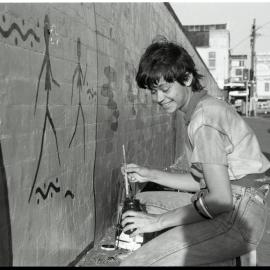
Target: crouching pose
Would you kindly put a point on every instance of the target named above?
(215, 217)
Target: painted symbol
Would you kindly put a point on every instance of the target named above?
(48, 87)
(51, 188)
(80, 82)
(15, 27)
(131, 72)
(91, 93)
(70, 194)
(106, 91)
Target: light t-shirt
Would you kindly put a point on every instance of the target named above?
(219, 135)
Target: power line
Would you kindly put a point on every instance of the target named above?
(262, 26)
(244, 39)
(240, 42)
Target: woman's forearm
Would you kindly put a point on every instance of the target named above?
(183, 182)
(188, 214)
(180, 216)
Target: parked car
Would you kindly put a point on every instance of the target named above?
(263, 107)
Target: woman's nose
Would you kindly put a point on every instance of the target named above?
(160, 96)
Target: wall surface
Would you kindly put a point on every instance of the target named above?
(68, 102)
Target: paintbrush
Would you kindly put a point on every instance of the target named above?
(125, 166)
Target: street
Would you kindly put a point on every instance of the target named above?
(261, 126)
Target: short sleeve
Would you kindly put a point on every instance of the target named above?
(209, 146)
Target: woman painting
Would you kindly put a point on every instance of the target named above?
(222, 219)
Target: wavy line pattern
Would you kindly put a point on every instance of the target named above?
(45, 195)
(13, 27)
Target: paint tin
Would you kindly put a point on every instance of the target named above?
(131, 204)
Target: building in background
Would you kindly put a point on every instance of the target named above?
(212, 43)
(238, 66)
(236, 85)
(262, 73)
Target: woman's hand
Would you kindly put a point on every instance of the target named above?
(137, 173)
(140, 221)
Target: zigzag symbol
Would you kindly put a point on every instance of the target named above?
(45, 195)
(15, 26)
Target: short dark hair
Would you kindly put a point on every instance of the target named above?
(168, 60)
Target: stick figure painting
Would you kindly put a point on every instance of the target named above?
(80, 83)
(48, 87)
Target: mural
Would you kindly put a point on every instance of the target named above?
(48, 78)
(52, 187)
(55, 233)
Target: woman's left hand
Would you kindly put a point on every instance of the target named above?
(140, 221)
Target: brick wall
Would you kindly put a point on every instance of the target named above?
(68, 102)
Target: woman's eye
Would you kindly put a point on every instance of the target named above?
(153, 92)
(165, 89)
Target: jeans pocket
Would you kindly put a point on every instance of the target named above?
(252, 222)
(226, 220)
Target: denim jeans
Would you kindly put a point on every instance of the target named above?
(225, 237)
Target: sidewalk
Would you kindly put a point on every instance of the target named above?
(99, 257)
(261, 127)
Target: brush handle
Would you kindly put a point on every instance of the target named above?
(125, 165)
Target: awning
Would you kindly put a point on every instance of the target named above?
(235, 85)
(238, 93)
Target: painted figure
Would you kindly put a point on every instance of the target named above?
(48, 87)
(80, 82)
(213, 217)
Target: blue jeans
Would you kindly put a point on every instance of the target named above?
(207, 242)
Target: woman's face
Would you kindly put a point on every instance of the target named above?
(171, 96)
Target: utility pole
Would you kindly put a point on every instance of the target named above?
(252, 65)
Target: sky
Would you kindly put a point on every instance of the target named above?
(238, 16)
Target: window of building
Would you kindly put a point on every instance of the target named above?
(238, 72)
(241, 63)
(235, 63)
(266, 87)
(212, 59)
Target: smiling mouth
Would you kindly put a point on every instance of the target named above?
(165, 104)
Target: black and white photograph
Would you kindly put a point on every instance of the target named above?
(134, 133)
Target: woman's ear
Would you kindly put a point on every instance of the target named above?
(189, 79)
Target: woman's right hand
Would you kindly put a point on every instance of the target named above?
(136, 173)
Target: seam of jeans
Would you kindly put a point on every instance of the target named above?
(158, 206)
(238, 204)
(171, 251)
